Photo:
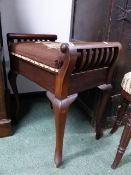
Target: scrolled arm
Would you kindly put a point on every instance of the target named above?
(85, 56)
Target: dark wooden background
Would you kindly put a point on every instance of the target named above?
(104, 20)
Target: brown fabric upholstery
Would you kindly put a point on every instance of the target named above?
(47, 53)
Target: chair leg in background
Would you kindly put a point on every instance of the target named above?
(106, 93)
(125, 138)
(12, 79)
(120, 115)
(60, 108)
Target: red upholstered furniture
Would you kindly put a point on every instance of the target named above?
(63, 70)
(126, 135)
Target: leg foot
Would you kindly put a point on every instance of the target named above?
(58, 159)
(99, 135)
(117, 159)
(5, 128)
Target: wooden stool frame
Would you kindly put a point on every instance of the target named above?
(63, 87)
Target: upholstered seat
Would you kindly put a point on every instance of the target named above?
(126, 83)
(47, 55)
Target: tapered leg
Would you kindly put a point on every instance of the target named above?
(120, 114)
(60, 120)
(60, 108)
(125, 138)
(12, 79)
(106, 92)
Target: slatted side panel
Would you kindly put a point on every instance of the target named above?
(90, 59)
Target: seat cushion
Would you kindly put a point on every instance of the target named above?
(44, 54)
(126, 83)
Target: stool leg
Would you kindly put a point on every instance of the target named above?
(120, 114)
(106, 92)
(125, 138)
(60, 108)
(12, 79)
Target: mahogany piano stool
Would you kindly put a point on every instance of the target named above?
(64, 70)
